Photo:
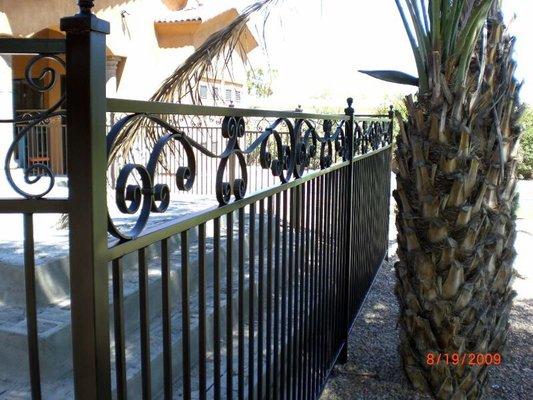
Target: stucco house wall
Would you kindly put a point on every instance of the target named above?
(149, 39)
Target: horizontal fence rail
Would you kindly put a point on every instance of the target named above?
(213, 252)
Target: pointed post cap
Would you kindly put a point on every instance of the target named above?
(391, 111)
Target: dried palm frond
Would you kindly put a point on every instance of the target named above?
(215, 54)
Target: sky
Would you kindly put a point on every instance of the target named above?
(317, 47)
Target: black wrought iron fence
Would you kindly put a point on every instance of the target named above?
(253, 296)
(44, 143)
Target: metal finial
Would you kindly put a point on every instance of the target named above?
(85, 6)
(299, 108)
(391, 111)
(349, 110)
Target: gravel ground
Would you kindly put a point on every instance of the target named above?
(374, 371)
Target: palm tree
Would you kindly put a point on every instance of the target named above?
(455, 172)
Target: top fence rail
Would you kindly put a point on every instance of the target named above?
(153, 107)
(32, 46)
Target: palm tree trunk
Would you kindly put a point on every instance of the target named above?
(455, 167)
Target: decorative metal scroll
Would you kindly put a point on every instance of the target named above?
(285, 159)
(42, 81)
(371, 135)
(284, 147)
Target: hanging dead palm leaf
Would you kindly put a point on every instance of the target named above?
(214, 55)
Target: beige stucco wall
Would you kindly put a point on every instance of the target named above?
(145, 65)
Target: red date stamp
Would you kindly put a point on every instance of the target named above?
(466, 359)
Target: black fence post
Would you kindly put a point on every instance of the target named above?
(390, 138)
(349, 111)
(87, 161)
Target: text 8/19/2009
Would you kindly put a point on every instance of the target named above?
(469, 359)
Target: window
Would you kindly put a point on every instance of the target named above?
(26, 97)
(228, 94)
(203, 91)
(237, 96)
(216, 93)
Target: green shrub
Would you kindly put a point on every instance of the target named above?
(525, 166)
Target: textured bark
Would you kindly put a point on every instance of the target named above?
(455, 167)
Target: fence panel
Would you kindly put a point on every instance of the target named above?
(246, 287)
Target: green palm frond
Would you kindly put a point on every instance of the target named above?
(398, 77)
(442, 31)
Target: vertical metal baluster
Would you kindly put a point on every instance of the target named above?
(337, 246)
(276, 374)
(333, 264)
(329, 263)
(269, 301)
(335, 316)
(261, 294)
(349, 240)
(316, 301)
(31, 308)
(318, 287)
(290, 293)
(206, 163)
(251, 278)
(240, 342)
(312, 292)
(313, 241)
(353, 259)
(202, 351)
(319, 284)
(145, 325)
(340, 304)
(304, 367)
(323, 273)
(118, 318)
(283, 305)
(327, 275)
(297, 290)
(185, 316)
(342, 259)
(296, 284)
(357, 265)
(301, 291)
(229, 307)
(166, 309)
(216, 305)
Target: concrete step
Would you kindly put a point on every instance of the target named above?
(52, 271)
(62, 383)
(54, 320)
(61, 386)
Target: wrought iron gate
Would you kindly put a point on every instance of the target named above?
(260, 290)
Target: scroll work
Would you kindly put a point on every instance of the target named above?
(41, 80)
(285, 158)
(285, 148)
